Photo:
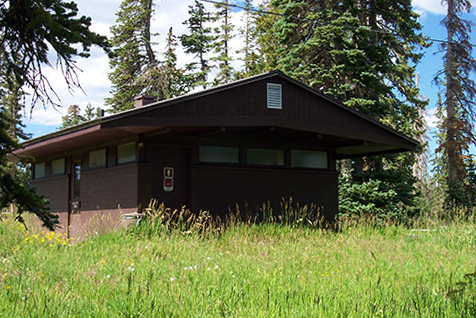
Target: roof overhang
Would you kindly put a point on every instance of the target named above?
(163, 118)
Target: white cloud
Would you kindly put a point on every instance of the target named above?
(92, 76)
(43, 115)
(429, 6)
(434, 6)
(92, 73)
(430, 118)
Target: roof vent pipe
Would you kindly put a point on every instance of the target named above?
(142, 100)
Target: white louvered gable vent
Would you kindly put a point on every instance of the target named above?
(274, 96)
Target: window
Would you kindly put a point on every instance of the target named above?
(274, 96)
(77, 179)
(126, 153)
(97, 158)
(265, 157)
(308, 159)
(39, 170)
(219, 154)
(57, 166)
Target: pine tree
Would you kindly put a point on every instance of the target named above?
(440, 165)
(73, 117)
(420, 167)
(135, 69)
(268, 43)
(341, 50)
(222, 49)
(175, 81)
(91, 113)
(29, 30)
(11, 102)
(253, 63)
(459, 91)
(353, 51)
(198, 42)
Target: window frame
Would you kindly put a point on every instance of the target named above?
(237, 149)
(118, 159)
(35, 174)
(63, 170)
(293, 166)
(283, 157)
(97, 151)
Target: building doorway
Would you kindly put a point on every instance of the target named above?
(170, 176)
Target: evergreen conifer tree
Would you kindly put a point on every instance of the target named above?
(459, 92)
(222, 44)
(28, 31)
(199, 42)
(353, 51)
(135, 68)
(175, 81)
(253, 63)
(73, 117)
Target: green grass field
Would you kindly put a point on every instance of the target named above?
(247, 271)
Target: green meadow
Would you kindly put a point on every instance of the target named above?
(246, 270)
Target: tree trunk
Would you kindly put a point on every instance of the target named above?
(450, 98)
(147, 36)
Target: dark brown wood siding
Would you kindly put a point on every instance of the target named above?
(177, 159)
(144, 191)
(219, 188)
(246, 105)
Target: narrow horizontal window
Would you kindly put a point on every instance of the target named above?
(126, 153)
(39, 170)
(308, 159)
(57, 166)
(219, 154)
(97, 158)
(272, 157)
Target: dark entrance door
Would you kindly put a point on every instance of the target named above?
(170, 176)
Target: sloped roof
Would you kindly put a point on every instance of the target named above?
(238, 110)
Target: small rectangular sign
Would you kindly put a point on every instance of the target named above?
(168, 172)
(168, 184)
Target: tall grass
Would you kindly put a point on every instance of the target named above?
(172, 268)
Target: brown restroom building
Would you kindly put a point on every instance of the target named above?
(252, 141)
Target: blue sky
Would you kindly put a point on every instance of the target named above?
(96, 86)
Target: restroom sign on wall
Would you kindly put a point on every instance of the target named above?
(168, 179)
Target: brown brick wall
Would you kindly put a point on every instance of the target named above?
(90, 223)
(108, 188)
(56, 190)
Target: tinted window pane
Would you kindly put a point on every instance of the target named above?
(219, 154)
(77, 179)
(57, 166)
(308, 159)
(39, 170)
(265, 157)
(97, 158)
(126, 153)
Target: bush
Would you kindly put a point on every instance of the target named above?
(366, 199)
